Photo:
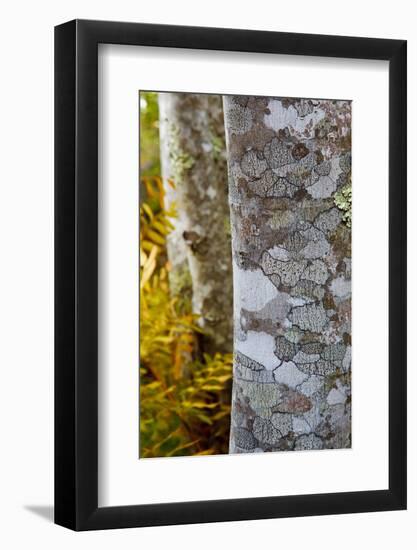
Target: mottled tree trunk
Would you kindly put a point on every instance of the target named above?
(193, 155)
(288, 161)
(179, 275)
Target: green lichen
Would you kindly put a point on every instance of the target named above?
(343, 201)
(227, 227)
(181, 284)
(218, 145)
(180, 160)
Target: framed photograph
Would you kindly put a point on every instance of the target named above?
(230, 255)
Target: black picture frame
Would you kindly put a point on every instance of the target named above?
(76, 272)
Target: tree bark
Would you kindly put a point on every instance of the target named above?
(288, 160)
(199, 249)
(179, 275)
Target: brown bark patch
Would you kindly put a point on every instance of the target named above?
(299, 151)
(293, 402)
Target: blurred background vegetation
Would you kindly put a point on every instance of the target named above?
(185, 393)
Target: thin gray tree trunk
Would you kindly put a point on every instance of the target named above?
(289, 177)
(193, 155)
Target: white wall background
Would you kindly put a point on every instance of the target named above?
(26, 272)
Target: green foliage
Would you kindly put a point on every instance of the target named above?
(184, 398)
(149, 134)
(185, 414)
(343, 200)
